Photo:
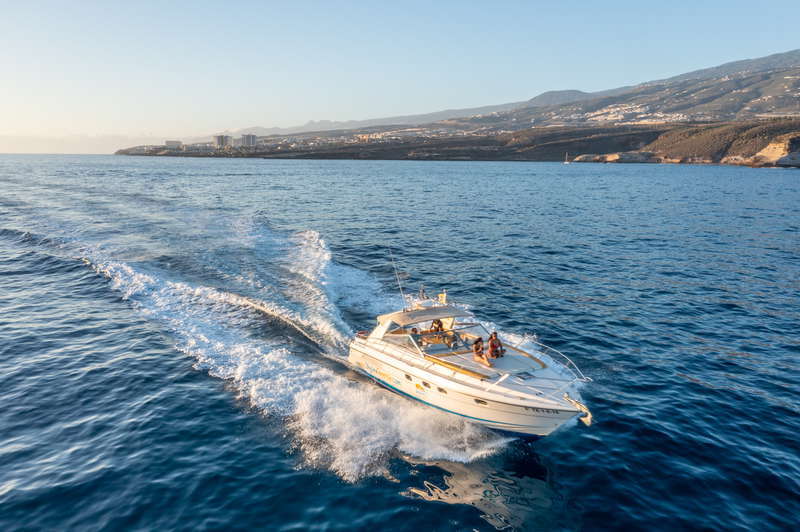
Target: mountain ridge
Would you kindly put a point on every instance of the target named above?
(759, 64)
(551, 97)
(547, 99)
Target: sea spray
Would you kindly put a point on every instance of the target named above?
(350, 427)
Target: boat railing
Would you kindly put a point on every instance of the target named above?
(547, 394)
(556, 355)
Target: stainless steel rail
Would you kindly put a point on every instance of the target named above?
(556, 354)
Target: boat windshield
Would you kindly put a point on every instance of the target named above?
(471, 331)
(458, 337)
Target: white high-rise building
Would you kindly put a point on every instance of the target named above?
(222, 141)
(249, 140)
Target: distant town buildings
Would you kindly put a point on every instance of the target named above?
(201, 147)
(248, 144)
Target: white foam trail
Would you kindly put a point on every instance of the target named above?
(346, 426)
(345, 286)
(353, 429)
(350, 427)
(329, 286)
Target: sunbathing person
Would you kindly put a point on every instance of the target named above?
(478, 355)
(496, 348)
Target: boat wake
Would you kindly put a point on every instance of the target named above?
(350, 427)
(333, 418)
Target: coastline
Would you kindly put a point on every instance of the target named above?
(761, 143)
(443, 159)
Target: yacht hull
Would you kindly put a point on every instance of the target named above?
(523, 418)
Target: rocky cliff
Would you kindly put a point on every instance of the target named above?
(755, 143)
(783, 151)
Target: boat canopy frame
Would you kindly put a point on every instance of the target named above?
(419, 341)
(404, 318)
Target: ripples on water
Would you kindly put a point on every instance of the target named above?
(172, 335)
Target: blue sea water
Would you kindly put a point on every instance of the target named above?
(173, 335)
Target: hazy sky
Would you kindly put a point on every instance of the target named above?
(178, 69)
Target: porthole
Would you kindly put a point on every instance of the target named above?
(408, 377)
(480, 401)
(425, 384)
(441, 390)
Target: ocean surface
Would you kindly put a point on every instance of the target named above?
(173, 338)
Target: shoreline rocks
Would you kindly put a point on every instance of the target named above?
(639, 157)
(776, 154)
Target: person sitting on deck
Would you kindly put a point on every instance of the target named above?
(437, 325)
(496, 348)
(477, 353)
(415, 335)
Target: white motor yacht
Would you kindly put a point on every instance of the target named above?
(531, 390)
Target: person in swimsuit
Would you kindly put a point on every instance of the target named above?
(477, 353)
(436, 327)
(496, 348)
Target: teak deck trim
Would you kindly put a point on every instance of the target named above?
(518, 350)
(456, 367)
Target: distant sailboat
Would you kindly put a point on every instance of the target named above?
(566, 158)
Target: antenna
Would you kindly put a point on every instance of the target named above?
(397, 276)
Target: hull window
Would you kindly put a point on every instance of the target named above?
(441, 390)
(480, 401)
(408, 377)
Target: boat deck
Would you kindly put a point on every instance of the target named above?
(514, 361)
(458, 355)
(517, 371)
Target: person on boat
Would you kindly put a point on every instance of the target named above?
(450, 339)
(436, 327)
(415, 336)
(477, 353)
(496, 348)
